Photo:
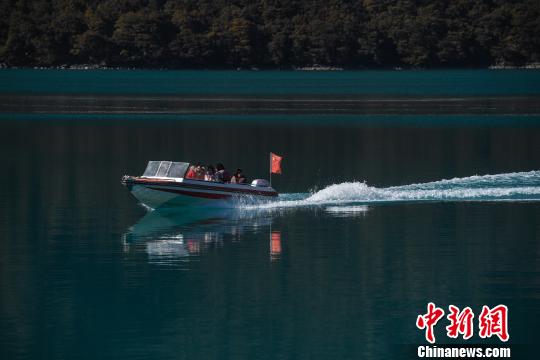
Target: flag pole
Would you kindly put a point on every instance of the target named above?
(270, 165)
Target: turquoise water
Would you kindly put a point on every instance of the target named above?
(273, 83)
(398, 188)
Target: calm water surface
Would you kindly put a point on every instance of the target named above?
(337, 272)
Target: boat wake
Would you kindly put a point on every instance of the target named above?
(521, 186)
(173, 233)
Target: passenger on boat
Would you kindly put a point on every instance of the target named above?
(195, 172)
(238, 177)
(191, 174)
(210, 174)
(222, 174)
(199, 172)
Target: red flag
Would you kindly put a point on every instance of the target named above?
(275, 163)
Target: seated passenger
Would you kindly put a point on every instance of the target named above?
(238, 177)
(210, 174)
(222, 174)
(199, 172)
(191, 174)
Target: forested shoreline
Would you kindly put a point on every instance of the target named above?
(277, 34)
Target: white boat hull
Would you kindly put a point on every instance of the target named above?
(158, 193)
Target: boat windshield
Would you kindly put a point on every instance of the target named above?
(166, 169)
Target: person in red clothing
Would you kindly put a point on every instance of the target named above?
(193, 173)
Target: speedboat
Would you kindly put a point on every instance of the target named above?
(163, 184)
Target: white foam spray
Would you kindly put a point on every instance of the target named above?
(520, 186)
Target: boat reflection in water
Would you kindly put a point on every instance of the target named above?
(275, 245)
(170, 236)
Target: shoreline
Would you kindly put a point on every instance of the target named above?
(87, 67)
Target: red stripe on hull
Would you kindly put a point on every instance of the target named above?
(148, 182)
(192, 193)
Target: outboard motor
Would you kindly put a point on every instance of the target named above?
(260, 183)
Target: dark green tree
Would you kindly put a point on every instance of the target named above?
(270, 33)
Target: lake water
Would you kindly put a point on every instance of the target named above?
(366, 232)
